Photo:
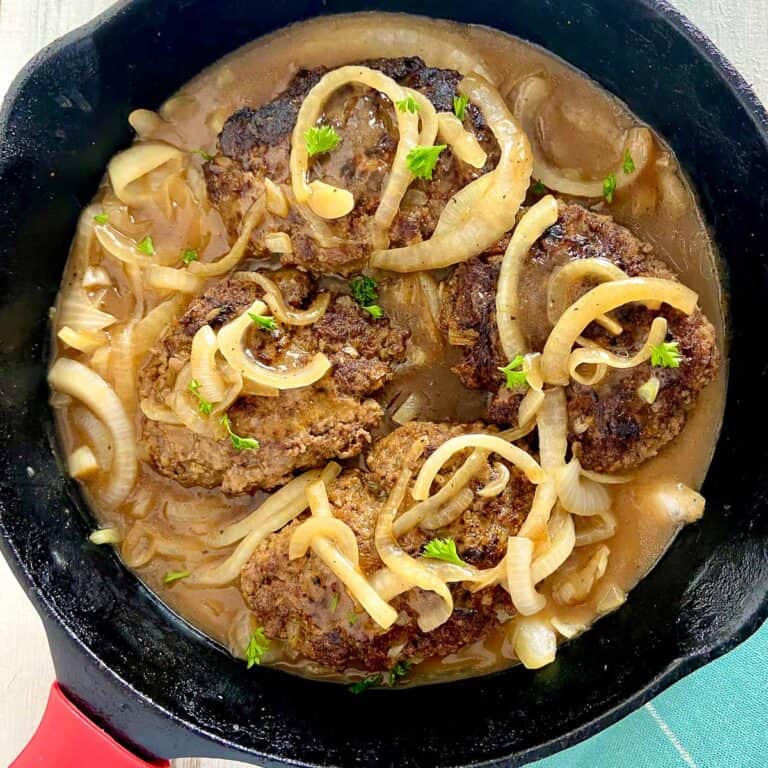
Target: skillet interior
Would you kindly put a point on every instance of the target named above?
(64, 119)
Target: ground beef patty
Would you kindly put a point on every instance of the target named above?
(255, 144)
(300, 428)
(303, 603)
(612, 427)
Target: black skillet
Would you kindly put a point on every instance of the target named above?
(162, 689)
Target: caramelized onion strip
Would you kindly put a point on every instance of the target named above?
(273, 297)
(598, 301)
(202, 362)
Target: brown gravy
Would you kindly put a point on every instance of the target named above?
(255, 74)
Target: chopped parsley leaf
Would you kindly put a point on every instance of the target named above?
(321, 138)
(365, 684)
(375, 311)
(256, 648)
(333, 603)
(629, 163)
(443, 549)
(609, 187)
(239, 443)
(421, 161)
(203, 154)
(147, 246)
(189, 256)
(204, 406)
(666, 355)
(265, 322)
(537, 188)
(172, 576)
(399, 670)
(514, 373)
(408, 104)
(460, 106)
(364, 290)
(352, 618)
(101, 218)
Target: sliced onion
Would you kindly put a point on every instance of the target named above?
(428, 118)
(410, 409)
(122, 367)
(602, 477)
(276, 201)
(154, 411)
(278, 242)
(552, 422)
(450, 512)
(82, 462)
(489, 221)
(520, 584)
(460, 207)
(336, 531)
(536, 220)
(202, 362)
(345, 568)
(105, 536)
(490, 443)
(170, 280)
(530, 405)
(580, 495)
(568, 629)
(82, 341)
(230, 343)
(613, 597)
(463, 143)
(534, 643)
(80, 382)
(77, 312)
(129, 166)
(311, 109)
(273, 297)
(532, 95)
(498, 484)
(147, 331)
(97, 435)
(574, 587)
(122, 247)
(562, 535)
(237, 251)
(678, 502)
(532, 370)
(598, 301)
(607, 359)
(596, 531)
(543, 501)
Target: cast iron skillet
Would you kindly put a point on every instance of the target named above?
(159, 686)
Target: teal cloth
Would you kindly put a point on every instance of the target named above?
(715, 718)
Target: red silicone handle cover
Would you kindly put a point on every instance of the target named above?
(66, 738)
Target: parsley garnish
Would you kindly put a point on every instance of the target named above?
(101, 218)
(421, 161)
(408, 104)
(364, 290)
(172, 576)
(204, 406)
(265, 322)
(365, 684)
(239, 443)
(189, 256)
(399, 670)
(146, 246)
(515, 375)
(460, 106)
(537, 188)
(333, 603)
(203, 154)
(666, 355)
(629, 163)
(256, 648)
(443, 549)
(609, 187)
(352, 618)
(375, 311)
(321, 138)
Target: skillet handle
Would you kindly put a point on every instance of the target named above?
(66, 738)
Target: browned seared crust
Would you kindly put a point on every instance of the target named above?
(291, 599)
(298, 429)
(255, 143)
(611, 426)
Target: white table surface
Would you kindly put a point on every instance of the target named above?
(740, 29)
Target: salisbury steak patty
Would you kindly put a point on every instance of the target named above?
(300, 428)
(611, 426)
(255, 143)
(303, 603)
